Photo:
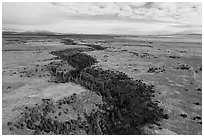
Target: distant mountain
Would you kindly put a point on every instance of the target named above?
(45, 32)
(38, 32)
(188, 32)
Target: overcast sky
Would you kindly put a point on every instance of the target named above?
(104, 18)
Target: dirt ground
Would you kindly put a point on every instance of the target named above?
(173, 65)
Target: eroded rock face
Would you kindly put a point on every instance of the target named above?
(128, 102)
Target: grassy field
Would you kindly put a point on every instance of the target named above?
(36, 78)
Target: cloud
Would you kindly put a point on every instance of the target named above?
(29, 13)
(183, 12)
(105, 17)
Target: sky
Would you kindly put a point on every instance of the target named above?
(139, 18)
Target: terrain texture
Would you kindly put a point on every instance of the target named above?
(98, 84)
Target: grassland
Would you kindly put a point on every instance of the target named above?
(98, 84)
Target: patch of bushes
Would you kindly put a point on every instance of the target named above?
(38, 119)
(155, 70)
(174, 57)
(96, 47)
(183, 67)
